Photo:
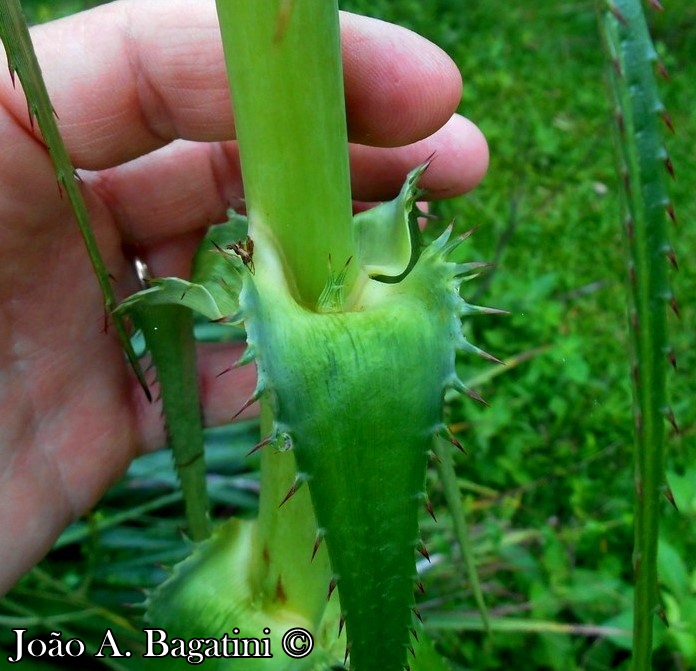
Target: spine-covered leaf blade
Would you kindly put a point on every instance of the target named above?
(642, 166)
(22, 60)
(168, 334)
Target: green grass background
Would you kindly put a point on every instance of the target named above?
(547, 480)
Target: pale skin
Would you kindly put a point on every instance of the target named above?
(142, 100)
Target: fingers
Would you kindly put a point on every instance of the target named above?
(177, 189)
(459, 160)
(187, 186)
(128, 77)
(399, 86)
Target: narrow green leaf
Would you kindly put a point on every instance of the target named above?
(23, 62)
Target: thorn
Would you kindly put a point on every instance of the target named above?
(669, 414)
(489, 357)
(341, 624)
(260, 388)
(667, 119)
(292, 491)
(414, 633)
(670, 497)
(620, 122)
(670, 211)
(632, 275)
(430, 509)
(466, 309)
(434, 457)
(345, 658)
(465, 346)
(258, 446)
(317, 544)
(451, 245)
(662, 71)
(675, 307)
(416, 612)
(629, 227)
(617, 67)
(248, 355)
(412, 651)
(656, 4)
(423, 550)
(479, 399)
(672, 258)
(670, 167)
(660, 612)
(451, 439)
(671, 357)
(421, 587)
(463, 389)
(617, 14)
(250, 401)
(332, 587)
(469, 269)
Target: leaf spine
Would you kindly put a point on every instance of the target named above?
(465, 346)
(260, 445)
(456, 384)
(669, 495)
(430, 509)
(423, 550)
(317, 543)
(300, 479)
(258, 392)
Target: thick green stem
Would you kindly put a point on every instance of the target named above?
(284, 63)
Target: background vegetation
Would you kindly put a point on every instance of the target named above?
(547, 478)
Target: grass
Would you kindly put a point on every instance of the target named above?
(547, 479)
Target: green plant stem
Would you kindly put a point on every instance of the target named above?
(297, 189)
(284, 63)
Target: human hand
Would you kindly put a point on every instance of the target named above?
(143, 105)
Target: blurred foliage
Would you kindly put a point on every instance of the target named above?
(547, 478)
(39, 11)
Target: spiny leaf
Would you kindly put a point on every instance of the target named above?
(22, 61)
